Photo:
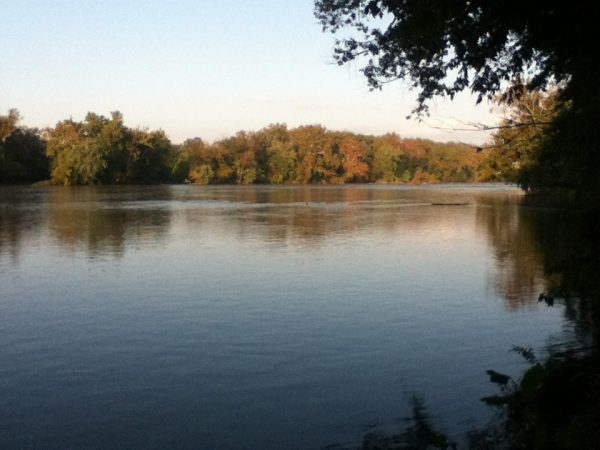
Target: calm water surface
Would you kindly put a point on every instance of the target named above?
(259, 317)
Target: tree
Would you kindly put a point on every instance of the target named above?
(452, 162)
(520, 136)
(223, 161)
(280, 157)
(387, 152)
(309, 142)
(180, 165)
(446, 46)
(354, 160)
(203, 174)
(244, 148)
(194, 153)
(492, 47)
(109, 140)
(23, 157)
(148, 157)
(88, 152)
(103, 150)
(22, 152)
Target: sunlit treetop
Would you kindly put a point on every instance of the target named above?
(446, 46)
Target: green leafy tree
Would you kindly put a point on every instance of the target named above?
(103, 150)
(387, 152)
(73, 162)
(279, 157)
(109, 140)
(22, 152)
(180, 167)
(148, 157)
(281, 163)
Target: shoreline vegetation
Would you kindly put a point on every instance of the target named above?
(104, 151)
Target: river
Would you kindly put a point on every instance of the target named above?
(262, 317)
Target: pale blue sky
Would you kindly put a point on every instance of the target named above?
(198, 68)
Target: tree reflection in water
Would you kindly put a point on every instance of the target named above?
(103, 221)
(549, 253)
(20, 220)
(538, 249)
(557, 402)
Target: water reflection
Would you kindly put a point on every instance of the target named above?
(311, 216)
(527, 242)
(555, 403)
(519, 268)
(567, 239)
(220, 308)
(545, 251)
(21, 219)
(103, 221)
(94, 220)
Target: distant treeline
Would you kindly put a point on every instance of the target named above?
(102, 150)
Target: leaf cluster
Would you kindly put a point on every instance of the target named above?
(520, 137)
(446, 46)
(22, 152)
(102, 150)
(313, 154)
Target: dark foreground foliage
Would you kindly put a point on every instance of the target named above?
(556, 403)
(492, 48)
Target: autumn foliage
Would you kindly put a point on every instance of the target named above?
(103, 150)
(313, 154)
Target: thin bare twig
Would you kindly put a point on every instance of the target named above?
(482, 127)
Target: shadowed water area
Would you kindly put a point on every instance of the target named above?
(263, 317)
